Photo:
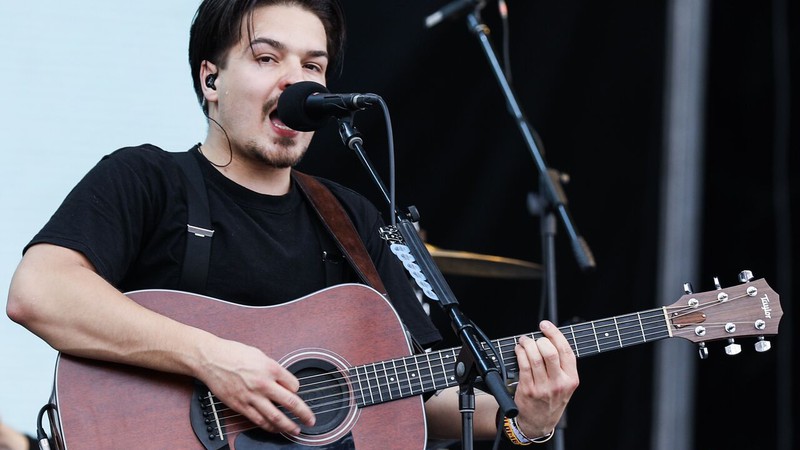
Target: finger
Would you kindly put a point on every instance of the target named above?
(284, 392)
(293, 406)
(530, 361)
(268, 416)
(567, 359)
(285, 378)
(552, 362)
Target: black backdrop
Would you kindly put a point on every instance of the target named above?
(590, 77)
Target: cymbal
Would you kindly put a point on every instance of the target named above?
(479, 265)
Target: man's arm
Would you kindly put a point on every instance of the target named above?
(56, 294)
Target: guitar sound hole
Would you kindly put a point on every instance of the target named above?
(325, 391)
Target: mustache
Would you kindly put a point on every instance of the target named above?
(269, 106)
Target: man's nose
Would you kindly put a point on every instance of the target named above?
(293, 73)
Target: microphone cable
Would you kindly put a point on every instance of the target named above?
(392, 175)
(230, 146)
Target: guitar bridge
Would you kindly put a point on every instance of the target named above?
(206, 420)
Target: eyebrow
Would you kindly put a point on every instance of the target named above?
(281, 46)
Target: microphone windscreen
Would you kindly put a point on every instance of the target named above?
(292, 106)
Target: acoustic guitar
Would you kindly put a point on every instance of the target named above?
(356, 368)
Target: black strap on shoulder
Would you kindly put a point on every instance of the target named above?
(198, 225)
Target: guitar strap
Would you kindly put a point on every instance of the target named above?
(341, 228)
(198, 244)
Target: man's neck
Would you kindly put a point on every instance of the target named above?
(251, 174)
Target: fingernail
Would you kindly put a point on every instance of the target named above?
(545, 324)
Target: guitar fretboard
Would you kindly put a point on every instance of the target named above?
(385, 381)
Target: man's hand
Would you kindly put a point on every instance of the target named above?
(548, 376)
(250, 382)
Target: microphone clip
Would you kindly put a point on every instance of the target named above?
(350, 136)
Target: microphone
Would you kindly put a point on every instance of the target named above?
(306, 106)
(452, 10)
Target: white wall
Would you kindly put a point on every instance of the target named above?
(79, 80)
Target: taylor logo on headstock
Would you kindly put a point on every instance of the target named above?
(765, 307)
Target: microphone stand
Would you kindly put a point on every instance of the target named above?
(552, 204)
(473, 366)
(552, 189)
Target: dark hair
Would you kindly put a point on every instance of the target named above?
(217, 27)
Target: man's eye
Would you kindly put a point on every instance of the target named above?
(266, 59)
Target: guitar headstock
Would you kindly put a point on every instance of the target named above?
(749, 309)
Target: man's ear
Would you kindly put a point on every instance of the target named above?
(208, 80)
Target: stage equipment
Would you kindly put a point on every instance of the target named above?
(456, 262)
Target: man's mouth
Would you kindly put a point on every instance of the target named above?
(277, 122)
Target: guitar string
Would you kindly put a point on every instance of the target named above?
(385, 373)
(618, 324)
(636, 328)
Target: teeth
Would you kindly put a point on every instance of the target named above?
(280, 125)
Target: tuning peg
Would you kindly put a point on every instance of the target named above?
(733, 348)
(703, 350)
(762, 345)
(745, 276)
(687, 288)
(716, 284)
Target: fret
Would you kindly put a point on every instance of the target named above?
(363, 380)
(641, 326)
(418, 374)
(585, 338)
(397, 379)
(633, 329)
(606, 336)
(511, 360)
(487, 348)
(655, 325)
(430, 370)
(594, 333)
(449, 370)
(375, 387)
(444, 369)
(574, 342)
(619, 337)
(356, 382)
(389, 380)
(409, 377)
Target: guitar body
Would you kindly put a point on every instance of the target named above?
(111, 406)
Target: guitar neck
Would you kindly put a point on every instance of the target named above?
(427, 372)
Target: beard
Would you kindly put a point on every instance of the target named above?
(285, 153)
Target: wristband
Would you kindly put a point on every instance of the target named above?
(517, 436)
(513, 434)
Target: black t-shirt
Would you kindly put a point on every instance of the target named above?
(128, 216)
